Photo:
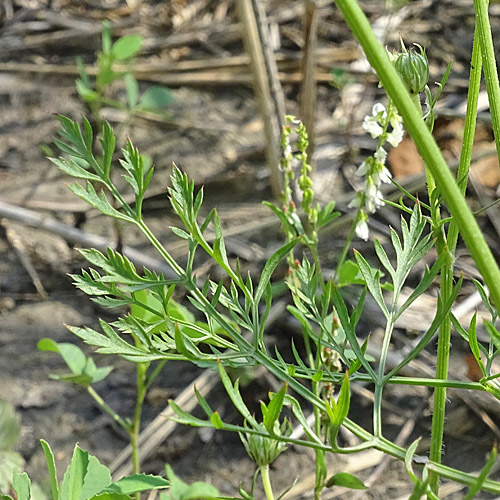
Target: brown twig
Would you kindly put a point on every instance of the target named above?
(253, 46)
(308, 94)
(20, 250)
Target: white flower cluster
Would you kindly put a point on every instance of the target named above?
(387, 126)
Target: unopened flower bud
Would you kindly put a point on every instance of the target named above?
(413, 68)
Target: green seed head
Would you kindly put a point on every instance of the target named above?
(413, 68)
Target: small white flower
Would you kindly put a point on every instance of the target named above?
(378, 109)
(380, 155)
(362, 169)
(355, 202)
(396, 135)
(362, 229)
(371, 124)
(385, 175)
(373, 197)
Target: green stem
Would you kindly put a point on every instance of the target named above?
(122, 423)
(443, 358)
(427, 147)
(266, 482)
(379, 383)
(489, 64)
(320, 471)
(136, 421)
(443, 350)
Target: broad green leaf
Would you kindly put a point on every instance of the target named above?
(179, 490)
(346, 480)
(98, 200)
(136, 483)
(200, 490)
(97, 478)
(126, 46)
(110, 496)
(74, 477)
(86, 93)
(132, 90)
(22, 486)
(349, 274)
(10, 461)
(51, 466)
(343, 400)
(157, 98)
(73, 356)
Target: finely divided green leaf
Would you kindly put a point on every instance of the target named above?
(372, 278)
(71, 168)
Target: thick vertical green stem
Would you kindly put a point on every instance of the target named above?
(489, 65)
(427, 146)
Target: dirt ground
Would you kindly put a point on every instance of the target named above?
(213, 133)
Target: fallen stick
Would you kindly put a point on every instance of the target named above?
(74, 235)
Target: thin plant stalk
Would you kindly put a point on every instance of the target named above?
(105, 407)
(443, 351)
(266, 482)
